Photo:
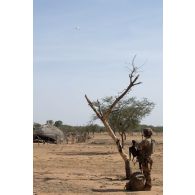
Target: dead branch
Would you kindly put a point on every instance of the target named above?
(99, 108)
(94, 109)
(133, 78)
(133, 81)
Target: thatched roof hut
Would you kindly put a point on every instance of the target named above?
(48, 133)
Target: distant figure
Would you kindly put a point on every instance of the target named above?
(135, 152)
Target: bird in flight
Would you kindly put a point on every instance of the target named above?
(77, 27)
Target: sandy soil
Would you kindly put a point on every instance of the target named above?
(94, 167)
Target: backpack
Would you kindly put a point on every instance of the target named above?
(146, 150)
(136, 182)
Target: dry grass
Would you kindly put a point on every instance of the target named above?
(88, 168)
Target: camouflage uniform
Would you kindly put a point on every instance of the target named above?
(144, 158)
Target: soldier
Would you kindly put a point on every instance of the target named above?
(146, 147)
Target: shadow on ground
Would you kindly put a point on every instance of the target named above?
(108, 190)
(84, 153)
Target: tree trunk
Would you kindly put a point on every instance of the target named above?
(128, 170)
(122, 139)
(124, 156)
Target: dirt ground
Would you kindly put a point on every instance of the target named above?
(94, 167)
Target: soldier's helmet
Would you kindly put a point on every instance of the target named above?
(147, 132)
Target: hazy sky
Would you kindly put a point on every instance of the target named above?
(84, 47)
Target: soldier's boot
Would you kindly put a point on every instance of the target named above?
(148, 184)
(147, 187)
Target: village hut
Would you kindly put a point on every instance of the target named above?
(48, 133)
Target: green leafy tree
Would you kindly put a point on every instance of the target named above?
(58, 123)
(92, 128)
(36, 126)
(127, 114)
(50, 122)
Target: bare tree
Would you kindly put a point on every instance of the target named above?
(103, 115)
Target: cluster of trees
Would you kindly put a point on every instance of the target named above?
(125, 117)
(94, 128)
